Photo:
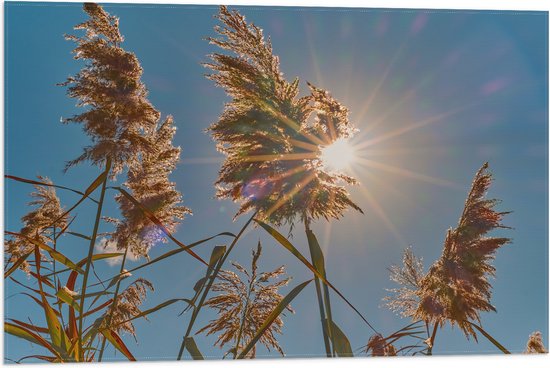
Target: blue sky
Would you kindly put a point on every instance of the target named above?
(436, 93)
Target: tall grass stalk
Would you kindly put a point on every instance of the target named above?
(91, 250)
(114, 304)
(321, 296)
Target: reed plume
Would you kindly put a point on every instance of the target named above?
(40, 223)
(272, 138)
(117, 316)
(245, 299)
(109, 84)
(535, 344)
(150, 185)
(456, 288)
(378, 346)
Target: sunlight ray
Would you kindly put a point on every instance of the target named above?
(413, 126)
(305, 145)
(381, 213)
(396, 193)
(312, 56)
(409, 174)
(294, 125)
(381, 82)
(288, 195)
(281, 157)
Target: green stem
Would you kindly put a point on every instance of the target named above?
(56, 278)
(324, 324)
(115, 300)
(91, 250)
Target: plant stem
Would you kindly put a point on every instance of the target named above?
(432, 338)
(91, 250)
(243, 320)
(324, 323)
(115, 299)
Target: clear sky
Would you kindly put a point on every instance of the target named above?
(436, 93)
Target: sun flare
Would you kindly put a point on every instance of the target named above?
(337, 156)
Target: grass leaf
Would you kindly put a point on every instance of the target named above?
(16, 264)
(272, 316)
(157, 222)
(193, 349)
(117, 342)
(342, 346)
(490, 338)
(290, 247)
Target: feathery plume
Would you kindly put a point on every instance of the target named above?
(39, 224)
(378, 346)
(535, 344)
(150, 185)
(272, 139)
(119, 112)
(127, 307)
(405, 300)
(243, 304)
(456, 287)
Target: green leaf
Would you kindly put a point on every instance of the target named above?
(67, 298)
(272, 316)
(193, 349)
(340, 341)
(117, 342)
(28, 335)
(79, 235)
(34, 182)
(154, 309)
(316, 253)
(288, 245)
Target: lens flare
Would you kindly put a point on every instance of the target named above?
(337, 156)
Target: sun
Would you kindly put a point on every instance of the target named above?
(338, 155)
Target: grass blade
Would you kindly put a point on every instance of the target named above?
(318, 260)
(341, 344)
(53, 253)
(117, 342)
(272, 316)
(154, 309)
(490, 338)
(34, 182)
(30, 327)
(28, 335)
(157, 222)
(288, 245)
(16, 265)
(193, 349)
(67, 298)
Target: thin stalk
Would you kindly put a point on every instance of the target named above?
(197, 309)
(324, 323)
(241, 327)
(115, 300)
(91, 250)
(432, 339)
(56, 278)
